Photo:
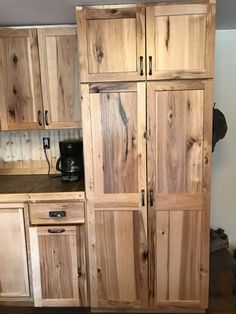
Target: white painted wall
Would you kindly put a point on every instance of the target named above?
(223, 212)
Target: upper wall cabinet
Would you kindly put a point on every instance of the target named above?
(60, 77)
(39, 86)
(20, 86)
(179, 40)
(112, 43)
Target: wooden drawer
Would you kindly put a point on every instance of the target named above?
(56, 213)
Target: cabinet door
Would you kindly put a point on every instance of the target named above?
(14, 281)
(115, 169)
(179, 155)
(60, 77)
(180, 41)
(20, 86)
(55, 266)
(111, 43)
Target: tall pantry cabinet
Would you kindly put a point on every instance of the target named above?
(146, 86)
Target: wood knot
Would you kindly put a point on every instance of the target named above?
(170, 116)
(188, 104)
(15, 59)
(144, 256)
(14, 90)
(113, 11)
(99, 54)
(206, 160)
(191, 141)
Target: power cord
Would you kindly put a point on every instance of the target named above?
(49, 167)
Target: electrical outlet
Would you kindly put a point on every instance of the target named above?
(46, 142)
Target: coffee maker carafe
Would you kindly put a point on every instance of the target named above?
(70, 162)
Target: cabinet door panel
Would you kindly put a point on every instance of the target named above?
(55, 266)
(60, 77)
(20, 85)
(181, 37)
(120, 263)
(13, 262)
(179, 139)
(111, 42)
(115, 157)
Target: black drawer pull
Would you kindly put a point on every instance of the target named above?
(56, 230)
(57, 214)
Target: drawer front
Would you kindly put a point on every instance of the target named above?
(56, 213)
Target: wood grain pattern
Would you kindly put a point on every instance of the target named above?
(14, 281)
(180, 213)
(60, 77)
(56, 270)
(181, 40)
(115, 125)
(120, 264)
(100, 32)
(22, 152)
(21, 97)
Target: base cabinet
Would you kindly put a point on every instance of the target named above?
(14, 281)
(58, 265)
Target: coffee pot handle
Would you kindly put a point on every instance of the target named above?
(58, 165)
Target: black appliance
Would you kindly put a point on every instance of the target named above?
(70, 162)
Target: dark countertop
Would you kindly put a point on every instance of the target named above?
(37, 183)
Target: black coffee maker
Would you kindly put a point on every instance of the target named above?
(70, 162)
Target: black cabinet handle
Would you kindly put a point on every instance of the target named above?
(151, 197)
(141, 65)
(143, 197)
(56, 230)
(150, 65)
(46, 117)
(57, 214)
(39, 118)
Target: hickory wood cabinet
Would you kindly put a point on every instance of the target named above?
(57, 239)
(39, 78)
(147, 148)
(14, 278)
(138, 42)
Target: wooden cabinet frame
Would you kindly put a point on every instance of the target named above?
(21, 210)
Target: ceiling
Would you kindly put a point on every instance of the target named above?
(36, 12)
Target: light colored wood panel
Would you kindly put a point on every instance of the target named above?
(13, 263)
(179, 201)
(22, 152)
(104, 13)
(35, 262)
(181, 40)
(120, 275)
(87, 146)
(22, 97)
(117, 200)
(210, 38)
(40, 213)
(99, 33)
(59, 279)
(82, 259)
(207, 157)
(181, 9)
(172, 48)
(179, 129)
(60, 77)
(104, 35)
(111, 87)
(185, 233)
(161, 284)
